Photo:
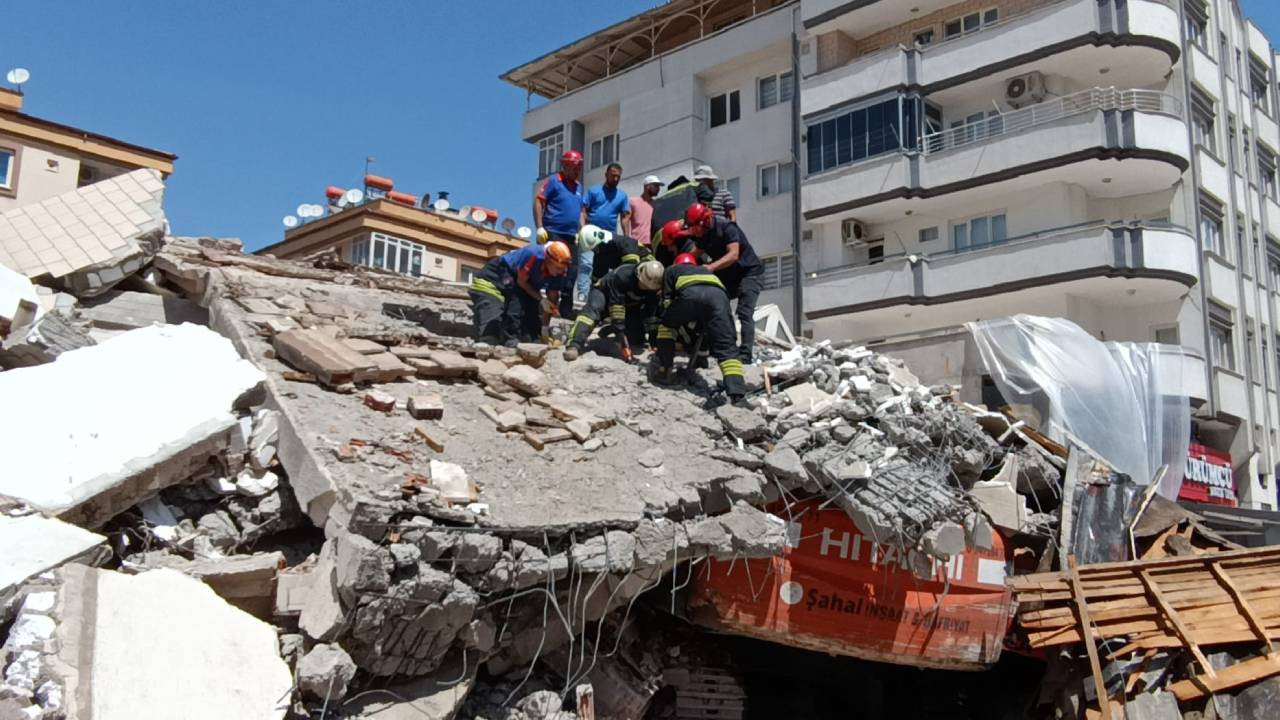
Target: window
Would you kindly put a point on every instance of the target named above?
(725, 108)
(779, 271)
(6, 168)
(1240, 243)
(1202, 119)
(862, 133)
(928, 234)
(875, 252)
(550, 148)
(972, 22)
(468, 273)
(389, 253)
(1197, 21)
(1267, 173)
(1231, 142)
(1168, 335)
(978, 232)
(1273, 272)
(1224, 53)
(1265, 355)
(1249, 363)
(951, 29)
(1211, 226)
(1220, 345)
(773, 89)
(1245, 145)
(776, 179)
(604, 151)
(1260, 86)
(924, 38)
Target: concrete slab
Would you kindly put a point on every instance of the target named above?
(33, 544)
(125, 310)
(161, 645)
(104, 427)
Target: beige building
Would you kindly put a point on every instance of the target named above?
(401, 238)
(40, 159)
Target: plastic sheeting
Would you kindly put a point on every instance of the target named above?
(1124, 401)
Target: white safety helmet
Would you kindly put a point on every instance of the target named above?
(649, 274)
(590, 236)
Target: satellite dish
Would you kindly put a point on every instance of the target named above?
(17, 76)
(440, 205)
(317, 211)
(524, 232)
(508, 224)
(354, 196)
(342, 201)
(478, 215)
(290, 221)
(303, 210)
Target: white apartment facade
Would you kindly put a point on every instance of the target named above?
(1127, 180)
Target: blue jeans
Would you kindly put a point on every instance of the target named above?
(585, 258)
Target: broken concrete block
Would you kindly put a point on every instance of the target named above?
(944, 540)
(902, 378)
(580, 428)
(753, 532)
(364, 347)
(1001, 502)
(330, 361)
(380, 401)
(651, 458)
(42, 342)
(324, 672)
(451, 480)
(322, 617)
(124, 227)
(19, 302)
(784, 464)
(613, 552)
(741, 458)
(387, 368)
(426, 407)
(533, 354)
(125, 310)
(246, 581)
(32, 544)
(743, 423)
(527, 380)
(443, 364)
(186, 629)
(807, 396)
(113, 452)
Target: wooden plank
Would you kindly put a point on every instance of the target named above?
(1086, 632)
(431, 440)
(1233, 676)
(329, 360)
(1115, 569)
(1245, 608)
(1172, 616)
(533, 440)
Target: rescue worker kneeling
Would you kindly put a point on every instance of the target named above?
(693, 297)
(629, 294)
(506, 296)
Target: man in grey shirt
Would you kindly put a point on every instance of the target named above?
(720, 200)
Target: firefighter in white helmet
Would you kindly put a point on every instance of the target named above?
(628, 295)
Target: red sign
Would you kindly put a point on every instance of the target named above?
(1208, 477)
(835, 591)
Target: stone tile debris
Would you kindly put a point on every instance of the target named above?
(32, 544)
(19, 302)
(196, 646)
(114, 451)
(365, 347)
(527, 380)
(386, 368)
(246, 581)
(125, 310)
(311, 351)
(426, 407)
(42, 341)
(90, 238)
(323, 673)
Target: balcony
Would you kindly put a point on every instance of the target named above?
(1060, 38)
(1052, 141)
(1161, 254)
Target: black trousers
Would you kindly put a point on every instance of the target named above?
(597, 311)
(703, 311)
(749, 289)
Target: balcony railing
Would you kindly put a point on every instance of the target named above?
(1050, 111)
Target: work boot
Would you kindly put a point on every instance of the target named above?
(570, 354)
(511, 342)
(701, 362)
(735, 387)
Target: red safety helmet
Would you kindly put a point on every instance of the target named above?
(698, 215)
(673, 230)
(686, 259)
(572, 158)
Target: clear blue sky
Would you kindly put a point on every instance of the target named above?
(267, 102)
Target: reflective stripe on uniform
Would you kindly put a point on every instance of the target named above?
(580, 322)
(732, 366)
(700, 279)
(666, 333)
(487, 287)
(633, 259)
(618, 312)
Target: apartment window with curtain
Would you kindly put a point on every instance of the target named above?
(779, 271)
(1221, 350)
(1267, 173)
(773, 89)
(1197, 21)
(1202, 121)
(1211, 226)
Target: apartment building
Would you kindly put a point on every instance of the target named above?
(40, 158)
(688, 83)
(1112, 162)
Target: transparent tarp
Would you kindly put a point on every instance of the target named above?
(1123, 401)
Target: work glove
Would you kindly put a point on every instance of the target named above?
(543, 236)
(549, 308)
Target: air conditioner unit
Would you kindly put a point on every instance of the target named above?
(1024, 90)
(853, 232)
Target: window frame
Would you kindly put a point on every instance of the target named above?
(549, 153)
(1221, 333)
(1196, 14)
(1267, 166)
(780, 170)
(781, 80)
(932, 32)
(1204, 109)
(604, 150)
(937, 234)
(1210, 216)
(9, 183)
(982, 22)
(392, 248)
(779, 270)
(732, 102)
(968, 225)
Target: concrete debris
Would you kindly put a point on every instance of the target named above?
(314, 352)
(19, 302)
(31, 544)
(426, 407)
(527, 380)
(246, 581)
(43, 341)
(115, 452)
(323, 673)
(450, 479)
(127, 310)
(380, 401)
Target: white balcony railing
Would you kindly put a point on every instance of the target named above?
(1085, 101)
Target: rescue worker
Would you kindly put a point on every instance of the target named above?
(629, 293)
(506, 296)
(694, 299)
(672, 240)
(609, 250)
(557, 213)
(733, 261)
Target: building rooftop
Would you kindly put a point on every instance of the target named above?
(630, 42)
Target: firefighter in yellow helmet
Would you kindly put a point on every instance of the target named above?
(628, 293)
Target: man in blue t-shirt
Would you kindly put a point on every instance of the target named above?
(557, 213)
(607, 207)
